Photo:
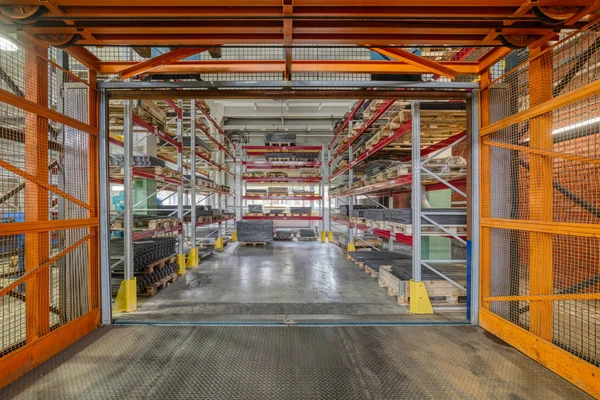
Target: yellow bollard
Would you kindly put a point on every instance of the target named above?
(180, 259)
(419, 299)
(351, 247)
(219, 244)
(192, 260)
(126, 300)
(234, 236)
(323, 236)
(330, 237)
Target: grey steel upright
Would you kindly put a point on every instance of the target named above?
(416, 190)
(193, 172)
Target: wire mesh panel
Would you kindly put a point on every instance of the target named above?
(540, 217)
(49, 265)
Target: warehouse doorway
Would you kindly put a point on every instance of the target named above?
(334, 252)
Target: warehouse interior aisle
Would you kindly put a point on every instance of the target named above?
(283, 282)
(232, 362)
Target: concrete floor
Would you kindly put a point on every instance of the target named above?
(283, 282)
(290, 362)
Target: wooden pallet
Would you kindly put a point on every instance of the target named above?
(256, 214)
(156, 286)
(253, 243)
(158, 264)
(301, 214)
(280, 159)
(439, 291)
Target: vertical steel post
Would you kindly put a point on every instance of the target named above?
(194, 217)
(416, 191)
(180, 169)
(103, 146)
(473, 268)
(392, 236)
(351, 197)
(322, 191)
(128, 189)
(326, 164)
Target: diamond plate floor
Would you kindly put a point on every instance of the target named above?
(284, 281)
(226, 362)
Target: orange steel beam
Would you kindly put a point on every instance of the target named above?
(84, 56)
(540, 195)
(417, 61)
(491, 57)
(583, 12)
(524, 9)
(278, 66)
(287, 37)
(164, 59)
(37, 245)
(93, 194)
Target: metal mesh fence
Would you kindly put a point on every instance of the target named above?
(540, 197)
(49, 266)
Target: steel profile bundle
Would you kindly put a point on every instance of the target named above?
(187, 142)
(376, 259)
(278, 191)
(256, 192)
(454, 216)
(255, 208)
(254, 231)
(118, 160)
(277, 211)
(306, 156)
(167, 210)
(145, 252)
(279, 156)
(307, 234)
(374, 214)
(360, 212)
(345, 209)
(280, 137)
(301, 210)
(283, 234)
(143, 282)
(377, 166)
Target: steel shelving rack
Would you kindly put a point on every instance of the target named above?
(290, 181)
(193, 161)
(404, 183)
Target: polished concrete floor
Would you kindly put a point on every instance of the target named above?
(283, 282)
(290, 362)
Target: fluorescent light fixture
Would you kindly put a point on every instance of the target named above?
(7, 45)
(577, 125)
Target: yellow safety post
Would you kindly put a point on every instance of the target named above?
(219, 243)
(234, 236)
(323, 236)
(180, 260)
(330, 238)
(419, 299)
(351, 247)
(126, 300)
(192, 260)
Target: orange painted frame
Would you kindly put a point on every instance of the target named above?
(41, 342)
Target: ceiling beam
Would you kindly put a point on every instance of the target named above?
(417, 61)
(492, 57)
(278, 94)
(84, 56)
(287, 37)
(163, 59)
(278, 66)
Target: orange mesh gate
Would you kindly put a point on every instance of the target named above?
(49, 261)
(540, 207)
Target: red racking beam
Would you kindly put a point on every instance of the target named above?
(282, 197)
(215, 124)
(403, 130)
(282, 180)
(346, 122)
(384, 107)
(155, 131)
(278, 218)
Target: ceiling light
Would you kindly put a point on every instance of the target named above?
(7, 45)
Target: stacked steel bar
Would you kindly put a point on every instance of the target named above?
(254, 231)
(118, 160)
(277, 211)
(283, 234)
(301, 210)
(307, 234)
(279, 156)
(456, 216)
(145, 252)
(279, 137)
(374, 214)
(143, 282)
(187, 142)
(256, 192)
(255, 208)
(306, 156)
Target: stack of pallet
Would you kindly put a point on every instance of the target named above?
(283, 234)
(259, 232)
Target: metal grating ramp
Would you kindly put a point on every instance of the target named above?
(145, 362)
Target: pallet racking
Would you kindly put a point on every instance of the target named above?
(287, 181)
(181, 158)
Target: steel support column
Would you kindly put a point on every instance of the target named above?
(416, 191)
(103, 146)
